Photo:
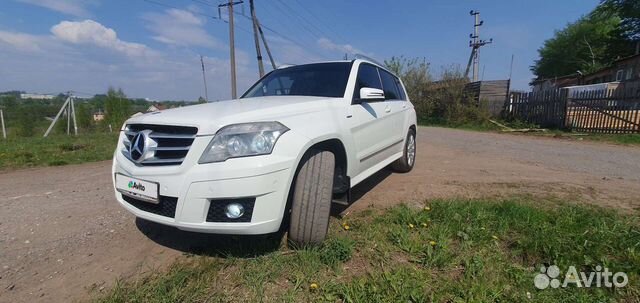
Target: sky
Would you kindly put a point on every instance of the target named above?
(152, 48)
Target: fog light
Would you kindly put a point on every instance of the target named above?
(234, 210)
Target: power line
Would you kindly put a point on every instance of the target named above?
(303, 22)
(306, 47)
(171, 6)
(293, 16)
(195, 12)
(333, 32)
(287, 38)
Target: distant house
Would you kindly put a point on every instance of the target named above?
(37, 96)
(625, 71)
(98, 116)
(622, 70)
(553, 83)
(155, 108)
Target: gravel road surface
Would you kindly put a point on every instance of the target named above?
(64, 238)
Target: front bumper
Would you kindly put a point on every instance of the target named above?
(265, 178)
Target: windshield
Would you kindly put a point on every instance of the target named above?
(320, 80)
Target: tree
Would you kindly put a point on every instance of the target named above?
(629, 12)
(201, 100)
(117, 108)
(413, 72)
(83, 115)
(25, 120)
(593, 42)
(581, 46)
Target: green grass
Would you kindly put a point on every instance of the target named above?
(622, 139)
(56, 150)
(456, 251)
(473, 126)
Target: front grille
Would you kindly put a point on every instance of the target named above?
(166, 206)
(169, 145)
(216, 210)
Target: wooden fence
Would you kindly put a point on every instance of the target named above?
(547, 108)
(604, 111)
(489, 94)
(597, 111)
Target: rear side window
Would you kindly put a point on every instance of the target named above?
(389, 86)
(367, 77)
(402, 95)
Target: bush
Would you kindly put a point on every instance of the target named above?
(438, 102)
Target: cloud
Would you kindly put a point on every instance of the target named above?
(69, 7)
(180, 28)
(21, 41)
(327, 44)
(88, 57)
(94, 33)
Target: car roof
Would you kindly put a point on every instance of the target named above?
(357, 60)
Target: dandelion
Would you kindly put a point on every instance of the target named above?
(424, 224)
(432, 243)
(411, 225)
(494, 237)
(427, 208)
(313, 286)
(346, 226)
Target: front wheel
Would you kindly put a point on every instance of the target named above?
(408, 160)
(311, 204)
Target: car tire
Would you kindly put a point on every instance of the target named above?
(311, 201)
(408, 160)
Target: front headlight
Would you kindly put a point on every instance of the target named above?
(243, 140)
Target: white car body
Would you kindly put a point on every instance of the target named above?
(371, 133)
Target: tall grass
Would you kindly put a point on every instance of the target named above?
(16, 152)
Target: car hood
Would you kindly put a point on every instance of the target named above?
(210, 117)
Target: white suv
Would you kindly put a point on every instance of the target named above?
(296, 141)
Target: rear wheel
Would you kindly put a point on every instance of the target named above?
(405, 164)
(311, 204)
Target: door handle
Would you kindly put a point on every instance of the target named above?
(387, 109)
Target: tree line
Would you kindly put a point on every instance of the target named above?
(594, 41)
(30, 117)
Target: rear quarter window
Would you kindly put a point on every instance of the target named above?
(403, 95)
(389, 85)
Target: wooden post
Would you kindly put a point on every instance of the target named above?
(64, 106)
(73, 114)
(4, 131)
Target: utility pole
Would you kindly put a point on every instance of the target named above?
(232, 47)
(73, 113)
(204, 79)
(255, 38)
(4, 131)
(475, 45)
(266, 46)
(69, 108)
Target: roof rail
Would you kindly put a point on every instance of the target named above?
(285, 66)
(363, 57)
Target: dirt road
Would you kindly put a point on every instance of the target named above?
(63, 237)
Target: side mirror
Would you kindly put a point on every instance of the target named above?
(368, 94)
